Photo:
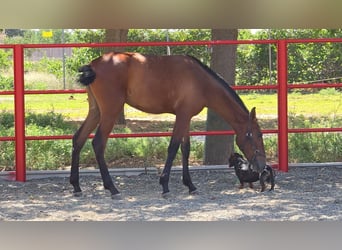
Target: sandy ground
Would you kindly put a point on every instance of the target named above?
(302, 194)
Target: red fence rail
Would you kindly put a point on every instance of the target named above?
(281, 87)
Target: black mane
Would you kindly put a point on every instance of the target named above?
(222, 82)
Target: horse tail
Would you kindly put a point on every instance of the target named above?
(87, 75)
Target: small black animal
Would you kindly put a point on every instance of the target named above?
(245, 173)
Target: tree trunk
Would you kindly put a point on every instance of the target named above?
(223, 58)
(116, 35)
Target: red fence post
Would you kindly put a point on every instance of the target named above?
(282, 106)
(19, 114)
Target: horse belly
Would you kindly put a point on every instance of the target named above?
(149, 103)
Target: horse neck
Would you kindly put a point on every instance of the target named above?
(238, 119)
(230, 110)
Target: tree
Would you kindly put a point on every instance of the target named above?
(223, 58)
(116, 35)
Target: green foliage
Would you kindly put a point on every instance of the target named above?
(50, 120)
(6, 153)
(180, 35)
(6, 83)
(306, 62)
(54, 154)
(271, 146)
(83, 56)
(5, 59)
(315, 147)
(329, 92)
(47, 65)
(6, 120)
(47, 154)
(197, 149)
(80, 56)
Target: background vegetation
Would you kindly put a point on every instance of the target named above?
(307, 62)
(53, 114)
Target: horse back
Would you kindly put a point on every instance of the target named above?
(154, 84)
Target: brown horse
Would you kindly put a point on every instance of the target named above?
(179, 85)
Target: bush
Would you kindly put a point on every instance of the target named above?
(49, 120)
(47, 154)
(329, 92)
(5, 61)
(6, 121)
(47, 65)
(315, 147)
(6, 83)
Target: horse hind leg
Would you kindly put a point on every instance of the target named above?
(99, 144)
(79, 140)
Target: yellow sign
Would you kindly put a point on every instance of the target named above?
(47, 34)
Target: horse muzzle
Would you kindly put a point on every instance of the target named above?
(258, 162)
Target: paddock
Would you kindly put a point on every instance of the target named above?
(301, 194)
(304, 193)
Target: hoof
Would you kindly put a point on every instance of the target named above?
(117, 196)
(77, 194)
(166, 195)
(194, 192)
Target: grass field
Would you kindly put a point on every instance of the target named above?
(326, 103)
(55, 115)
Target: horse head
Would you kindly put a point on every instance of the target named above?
(250, 141)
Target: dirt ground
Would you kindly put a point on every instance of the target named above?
(302, 194)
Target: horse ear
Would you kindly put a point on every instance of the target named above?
(252, 114)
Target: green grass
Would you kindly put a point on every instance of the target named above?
(50, 115)
(324, 103)
(45, 115)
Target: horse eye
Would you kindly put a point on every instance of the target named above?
(249, 134)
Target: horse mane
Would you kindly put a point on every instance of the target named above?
(223, 83)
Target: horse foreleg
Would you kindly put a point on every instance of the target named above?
(180, 130)
(99, 144)
(185, 148)
(171, 154)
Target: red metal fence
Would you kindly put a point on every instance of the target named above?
(282, 88)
